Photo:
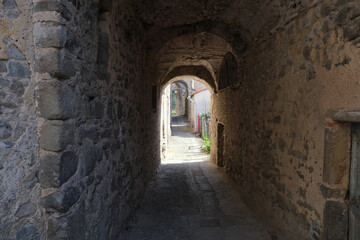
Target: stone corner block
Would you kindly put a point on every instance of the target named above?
(49, 34)
(55, 135)
(57, 101)
(56, 168)
(54, 62)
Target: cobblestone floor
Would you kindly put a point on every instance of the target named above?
(191, 199)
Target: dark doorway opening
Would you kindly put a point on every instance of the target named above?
(221, 142)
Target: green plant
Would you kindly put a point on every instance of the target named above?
(207, 142)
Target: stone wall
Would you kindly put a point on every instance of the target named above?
(275, 130)
(75, 150)
(20, 214)
(95, 174)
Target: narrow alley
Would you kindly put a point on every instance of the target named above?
(191, 199)
(93, 138)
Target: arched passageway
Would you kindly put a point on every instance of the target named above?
(80, 113)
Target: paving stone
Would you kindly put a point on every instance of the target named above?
(179, 181)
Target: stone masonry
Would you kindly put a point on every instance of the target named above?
(80, 85)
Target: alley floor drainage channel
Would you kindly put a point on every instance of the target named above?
(190, 198)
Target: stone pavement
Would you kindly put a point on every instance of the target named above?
(191, 199)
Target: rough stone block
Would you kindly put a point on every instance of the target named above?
(98, 110)
(55, 135)
(45, 6)
(3, 66)
(57, 228)
(4, 133)
(56, 169)
(57, 101)
(19, 69)
(49, 34)
(14, 53)
(9, 4)
(89, 155)
(73, 45)
(4, 82)
(10, 8)
(4, 129)
(77, 223)
(352, 30)
(341, 17)
(5, 149)
(25, 210)
(61, 201)
(68, 166)
(54, 62)
(28, 231)
(335, 220)
(49, 169)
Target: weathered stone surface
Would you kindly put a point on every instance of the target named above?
(19, 69)
(44, 6)
(352, 30)
(49, 169)
(4, 133)
(78, 223)
(17, 87)
(4, 129)
(73, 44)
(3, 66)
(57, 101)
(49, 34)
(336, 154)
(28, 232)
(13, 53)
(57, 228)
(98, 111)
(54, 62)
(25, 210)
(5, 149)
(61, 201)
(4, 82)
(335, 220)
(55, 135)
(328, 192)
(89, 155)
(11, 9)
(68, 166)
